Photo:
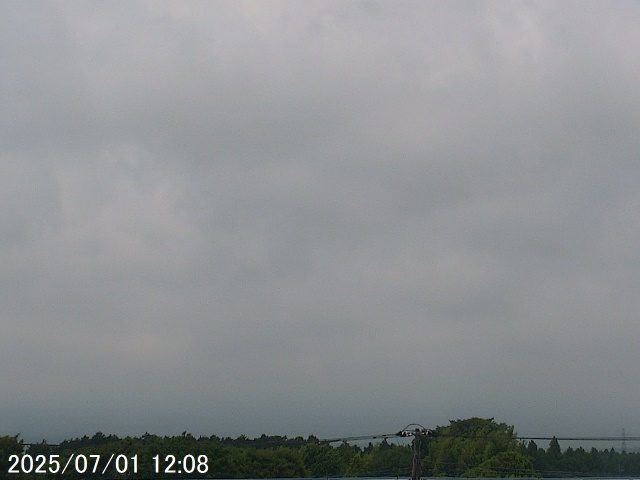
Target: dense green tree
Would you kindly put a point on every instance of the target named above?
(554, 448)
(10, 445)
(470, 447)
(351, 460)
(387, 459)
(321, 460)
(465, 444)
(279, 462)
(504, 464)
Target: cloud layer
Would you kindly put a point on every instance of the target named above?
(323, 217)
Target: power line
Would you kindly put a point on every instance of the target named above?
(362, 437)
(408, 432)
(580, 439)
(405, 432)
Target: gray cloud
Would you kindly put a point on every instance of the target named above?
(330, 218)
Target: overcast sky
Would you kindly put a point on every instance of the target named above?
(328, 218)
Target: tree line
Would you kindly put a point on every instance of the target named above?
(473, 447)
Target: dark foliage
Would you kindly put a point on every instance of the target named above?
(474, 447)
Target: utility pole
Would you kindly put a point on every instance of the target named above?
(417, 434)
(415, 467)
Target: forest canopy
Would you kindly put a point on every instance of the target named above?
(473, 447)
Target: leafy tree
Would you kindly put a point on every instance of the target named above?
(387, 459)
(465, 444)
(351, 460)
(554, 449)
(321, 460)
(474, 446)
(280, 462)
(9, 445)
(504, 464)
